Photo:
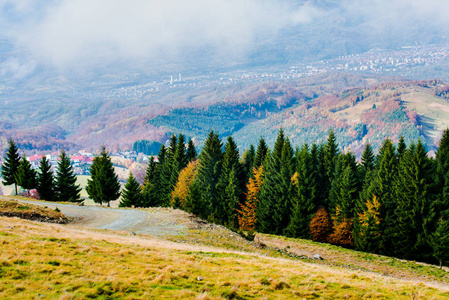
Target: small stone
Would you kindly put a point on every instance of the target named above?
(317, 256)
(199, 278)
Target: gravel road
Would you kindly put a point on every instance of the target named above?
(154, 221)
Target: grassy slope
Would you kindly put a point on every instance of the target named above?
(68, 262)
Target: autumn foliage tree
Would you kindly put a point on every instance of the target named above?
(367, 227)
(342, 231)
(247, 212)
(181, 190)
(321, 226)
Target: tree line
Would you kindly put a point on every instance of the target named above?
(102, 187)
(394, 203)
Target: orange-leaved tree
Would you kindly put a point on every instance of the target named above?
(320, 226)
(185, 179)
(247, 213)
(342, 233)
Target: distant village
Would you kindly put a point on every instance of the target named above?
(82, 161)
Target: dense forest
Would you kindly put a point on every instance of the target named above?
(393, 203)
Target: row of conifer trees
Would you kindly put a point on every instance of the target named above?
(102, 187)
(394, 203)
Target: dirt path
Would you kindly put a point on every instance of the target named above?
(155, 221)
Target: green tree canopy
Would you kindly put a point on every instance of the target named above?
(104, 185)
(132, 193)
(66, 187)
(11, 165)
(45, 181)
(26, 176)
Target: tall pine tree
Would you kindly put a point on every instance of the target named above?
(230, 186)
(330, 156)
(26, 176)
(104, 185)
(191, 151)
(261, 153)
(11, 165)
(383, 187)
(305, 201)
(209, 171)
(45, 181)
(132, 193)
(414, 215)
(66, 187)
(274, 207)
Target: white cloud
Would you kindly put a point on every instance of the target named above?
(87, 31)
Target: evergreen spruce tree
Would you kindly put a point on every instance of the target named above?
(65, 181)
(317, 153)
(194, 204)
(165, 168)
(224, 210)
(305, 200)
(171, 150)
(150, 192)
(270, 187)
(383, 188)
(132, 193)
(26, 176)
(331, 154)
(11, 165)
(345, 186)
(248, 161)
(179, 161)
(442, 173)
(274, 207)
(261, 153)
(440, 241)
(191, 151)
(414, 215)
(104, 185)
(45, 181)
(285, 189)
(209, 171)
(367, 162)
(402, 147)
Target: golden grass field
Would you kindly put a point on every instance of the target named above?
(49, 261)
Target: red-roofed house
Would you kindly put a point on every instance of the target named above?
(78, 158)
(35, 160)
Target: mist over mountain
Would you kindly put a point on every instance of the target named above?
(88, 69)
(93, 37)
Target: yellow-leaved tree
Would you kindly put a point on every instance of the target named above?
(247, 212)
(181, 190)
(368, 229)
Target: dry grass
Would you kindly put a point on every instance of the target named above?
(63, 262)
(11, 207)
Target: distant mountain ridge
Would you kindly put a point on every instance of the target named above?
(358, 108)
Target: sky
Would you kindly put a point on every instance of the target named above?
(65, 34)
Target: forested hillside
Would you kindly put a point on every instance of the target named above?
(412, 109)
(359, 109)
(393, 203)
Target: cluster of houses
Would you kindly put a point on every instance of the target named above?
(81, 161)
